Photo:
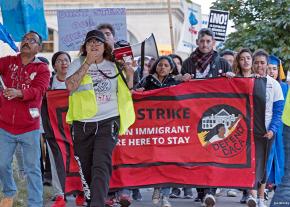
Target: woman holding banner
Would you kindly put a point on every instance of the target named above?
(243, 63)
(100, 108)
(161, 75)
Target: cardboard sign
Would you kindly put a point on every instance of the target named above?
(73, 25)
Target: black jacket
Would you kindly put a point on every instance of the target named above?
(151, 82)
(218, 66)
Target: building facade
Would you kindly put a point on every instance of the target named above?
(143, 18)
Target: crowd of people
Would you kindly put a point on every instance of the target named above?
(99, 114)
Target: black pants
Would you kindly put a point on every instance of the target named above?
(201, 192)
(93, 144)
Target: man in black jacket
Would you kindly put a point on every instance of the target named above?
(205, 63)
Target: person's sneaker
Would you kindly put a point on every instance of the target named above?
(124, 200)
(59, 202)
(165, 202)
(197, 199)
(251, 201)
(261, 202)
(188, 196)
(80, 200)
(175, 193)
(6, 202)
(156, 196)
(209, 200)
(136, 195)
(231, 193)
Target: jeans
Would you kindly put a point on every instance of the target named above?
(19, 158)
(281, 197)
(30, 145)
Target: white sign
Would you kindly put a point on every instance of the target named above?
(73, 25)
(191, 25)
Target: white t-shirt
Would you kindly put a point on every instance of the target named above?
(273, 93)
(56, 84)
(204, 74)
(105, 88)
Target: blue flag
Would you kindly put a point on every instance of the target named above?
(5, 37)
(22, 16)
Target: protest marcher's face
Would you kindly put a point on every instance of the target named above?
(30, 44)
(146, 68)
(205, 44)
(230, 59)
(109, 37)
(245, 61)
(260, 65)
(273, 71)
(61, 64)
(94, 45)
(178, 64)
(163, 68)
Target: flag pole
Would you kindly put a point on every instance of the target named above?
(170, 26)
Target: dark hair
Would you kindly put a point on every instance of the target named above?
(261, 52)
(43, 59)
(39, 36)
(205, 31)
(55, 56)
(139, 60)
(236, 66)
(176, 56)
(107, 26)
(170, 61)
(227, 52)
(121, 43)
(214, 131)
(107, 53)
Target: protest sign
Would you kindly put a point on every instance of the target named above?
(218, 21)
(73, 25)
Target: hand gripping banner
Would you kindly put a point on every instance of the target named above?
(198, 133)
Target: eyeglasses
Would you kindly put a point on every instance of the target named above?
(59, 61)
(29, 40)
(94, 41)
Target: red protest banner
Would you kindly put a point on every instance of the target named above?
(197, 133)
(67, 167)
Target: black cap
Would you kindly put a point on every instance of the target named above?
(95, 34)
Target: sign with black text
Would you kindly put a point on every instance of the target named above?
(218, 21)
